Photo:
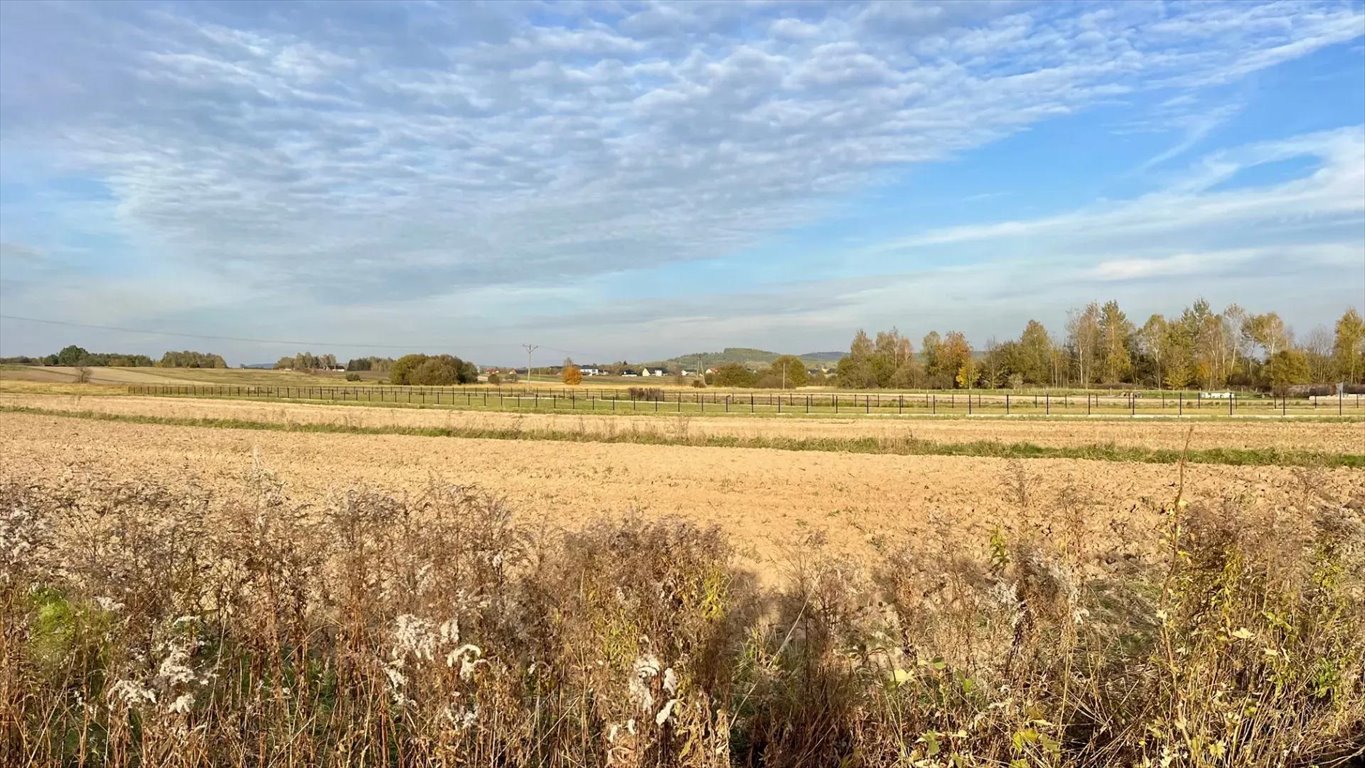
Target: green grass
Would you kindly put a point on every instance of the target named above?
(517, 402)
(900, 446)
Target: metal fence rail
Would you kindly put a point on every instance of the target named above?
(603, 400)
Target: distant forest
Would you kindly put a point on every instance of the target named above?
(1101, 346)
(82, 358)
(431, 370)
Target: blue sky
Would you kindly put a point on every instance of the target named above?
(628, 180)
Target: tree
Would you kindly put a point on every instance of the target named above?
(1033, 361)
(572, 374)
(855, 369)
(734, 375)
(1003, 365)
(1268, 332)
(439, 370)
(955, 356)
(1083, 336)
(931, 349)
(789, 372)
(1115, 332)
(1285, 369)
(890, 352)
(1203, 330)
(1175, 350)
(376, 364)
(72, 355)
(284, 363)
(404, 367)
(1235, 347)
(1151, 343)
(1317, 351)
(189, 359)
(1348, 347)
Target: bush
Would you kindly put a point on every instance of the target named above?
(437, 370)
(646, 393)
(155, 627)
(353, 376)
(734, 375)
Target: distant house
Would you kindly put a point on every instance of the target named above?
(630, 373)
(645, 372)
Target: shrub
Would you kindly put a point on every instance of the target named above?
(572, 374)
(154, 627)
(353, 376)
(646, 393)
(437, 370)
(734, 375)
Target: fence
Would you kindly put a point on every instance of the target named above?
(603, 400)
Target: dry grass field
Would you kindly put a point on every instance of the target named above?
(762, 498)
(1326, 437)
(207, 591)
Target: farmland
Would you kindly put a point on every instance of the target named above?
(703, 564)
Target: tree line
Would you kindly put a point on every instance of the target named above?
(307, 361)
(416, 369)
(1102, 346)
(786, 372)
(81, 358)
(432, 370)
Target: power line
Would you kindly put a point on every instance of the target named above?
(204, 336)
(282, 342)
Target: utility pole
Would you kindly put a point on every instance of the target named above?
(529, 349)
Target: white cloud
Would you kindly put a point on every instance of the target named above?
(1331, 194)
(398, 151)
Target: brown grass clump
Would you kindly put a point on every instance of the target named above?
(147, 626)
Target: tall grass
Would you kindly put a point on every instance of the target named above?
(152, 626)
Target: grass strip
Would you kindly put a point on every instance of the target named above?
(1298, 414)
(899, 446)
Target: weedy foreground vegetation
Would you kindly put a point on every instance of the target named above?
(160, 626)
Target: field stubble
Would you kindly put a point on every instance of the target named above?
(765, 499)
(1326, 437)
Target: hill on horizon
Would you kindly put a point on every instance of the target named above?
(750, 357)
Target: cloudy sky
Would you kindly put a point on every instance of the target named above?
(627, 180)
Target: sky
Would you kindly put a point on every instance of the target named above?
(637, 180)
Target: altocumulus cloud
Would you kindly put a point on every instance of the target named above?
(373, 154)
